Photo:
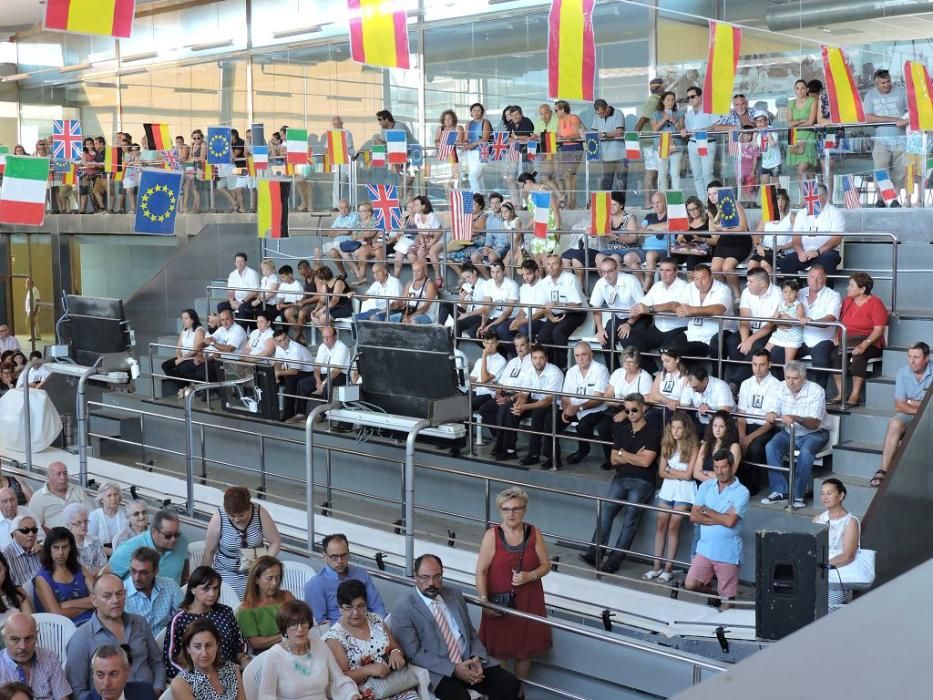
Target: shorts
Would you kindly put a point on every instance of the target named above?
(622, 252)
(350, 246)
(727, 575)
(675, 504)
(904, 418)
(579, 255)
(652, 160)
(773, 172)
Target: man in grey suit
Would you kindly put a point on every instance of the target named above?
(433, 628)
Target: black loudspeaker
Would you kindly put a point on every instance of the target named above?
(267, 392)
(791, 580)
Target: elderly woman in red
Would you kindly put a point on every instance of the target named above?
(865, 318)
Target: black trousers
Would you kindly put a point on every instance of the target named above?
(646, 337)
(733, 373)
(753, 477)
(587, 427)
(290, 385)
(307, 384)
(542, 421)
(821, 357)
(506, 439)
(558, 334)
(498, 684)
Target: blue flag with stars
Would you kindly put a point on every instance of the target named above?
(591, 145)
(157, 201)
(729, 212)
(218, 145)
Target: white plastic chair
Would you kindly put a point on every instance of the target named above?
(295, 575)
(195, 554)
(252, 675)
(228, 596)
(167, 695)
(54, 632)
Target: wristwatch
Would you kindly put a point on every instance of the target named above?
(651, 309)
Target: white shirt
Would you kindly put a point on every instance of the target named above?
(762, 306)
(830, 220)
(548, 379)
(620, 387)
(34, 374)
(778, 241)
(662, 294)
(624, 294)
(593, 382)
(698, 120)
(501, 296)
(716, 395)
(294, 356)
(495, 363)
(759, 397)
(266, 284)
(514, 373)
(564, 290)
(258, 339)
(809, 402)
(249, 279)
(6, 526)
(391, 288)
(475, 295)
(9, 343)
(531, 294)
(827, 303)
(295, 290)
(235, 336)
(703, 328)
(337, 356)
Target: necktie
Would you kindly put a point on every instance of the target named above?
(453, 649)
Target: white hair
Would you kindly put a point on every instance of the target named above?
(104, 488)
(73, 509)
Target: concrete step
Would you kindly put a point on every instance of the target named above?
(913, 323)
(865, 424)
(879, 393)
(202, 306)
(858, 492)
(858, 459)
(869, 256)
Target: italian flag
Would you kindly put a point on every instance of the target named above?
(632, 146)
(22, 196)
(676, 212)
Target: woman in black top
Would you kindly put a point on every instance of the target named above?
(696, 221)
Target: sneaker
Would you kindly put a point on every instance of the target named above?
(651, 574)
(799, 503)
(774, 497)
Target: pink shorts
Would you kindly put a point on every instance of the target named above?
(727, 575)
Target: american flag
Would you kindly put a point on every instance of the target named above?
(461, 215)
(811, 197)
(515, 153)
(386, 206)
(734, 147)
(851, 192)
(446, 147)
(66, 139)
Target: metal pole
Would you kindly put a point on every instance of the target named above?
(81, 416)
(328, 482)
(262, 463)
(28, 449)
(309, 467)
(791, 468)
(410, 495)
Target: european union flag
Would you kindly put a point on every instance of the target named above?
(591, 145)
(728, 211)
(218, 145)
(415, 154)
(157, 201)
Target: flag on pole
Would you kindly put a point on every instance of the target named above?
(728, 211)
(721, 63)
(811, 197)
(296, 146)
(676, 212)
(250, 166)
(257, 133)
(219, 139)
(514, 153)
(70, 176)
(157, 201)
(158, 137)
(416, 154)
(850, 192)
(632, 146)
(769, 205)
(271, 208)
(919, 96)
(702, 141)
(337, 147)
(101, 17)
(397, 146)
(461, 215)
(206, 174)
(845, 105)
(498, 145)
(885, 186)
(541, 201)
(764, 140)
(792, 137)
(260, 158)
(548, 142)
(378, 33)
(571, 50)
(66, 139)
(22, 194)
(386, 206)
(830, 141)
(447, 146)
(532, 150)
(113, 159)
(379, 155)
(601, 213)
(735, 147)
(591, 145)
(170, 160)
(664, 145)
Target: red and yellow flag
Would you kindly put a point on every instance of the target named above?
(251, 167)
(571, 50)
(70, 176)
(769, 205)
(271, 209)
(100, 17)
(721, 64)
(378, 34)
(919, 96)
(337, 147)
(327, 163)
(664, 145)
(601, 213)
(845, 105)
(158, 137)
(113, 159)
(208, 173)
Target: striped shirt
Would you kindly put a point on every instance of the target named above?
(232, 540)
(159, 606)
(809, 402)
(46, 676)
(23, 564)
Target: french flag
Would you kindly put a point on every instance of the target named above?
(261, 157)
(702, 139)
(542, 204)
(885, 186)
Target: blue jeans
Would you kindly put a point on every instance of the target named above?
(778, 447)
(376, 314)
(623, 488)
(420, 319)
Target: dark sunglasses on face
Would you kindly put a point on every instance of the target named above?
(631, 410)
(28, 530)
(170, 535)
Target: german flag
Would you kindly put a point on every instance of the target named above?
(791, 137)
(769, 205)
(272, 209)
(601, 213)
(158, 137)
(548, 142)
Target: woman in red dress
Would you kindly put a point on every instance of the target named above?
(512, 559)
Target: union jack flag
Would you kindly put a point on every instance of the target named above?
(499, 145)
(170, 160)
(66, 139)
(461, 215)
(386, 206)
(850, 191)
(811, 197)
(446, 147)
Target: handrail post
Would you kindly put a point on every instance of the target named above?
(82, 419)
(791, 467)
(28, 444)
(894, 249)
(309, 467)
(719, 343)
(409, 481)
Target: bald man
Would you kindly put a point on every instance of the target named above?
(23, 661)
(9, 510)
(48, 502)
(111, 624)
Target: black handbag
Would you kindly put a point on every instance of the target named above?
(506, 599)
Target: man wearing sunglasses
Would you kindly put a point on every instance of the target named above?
(696, 120)
(165, 536)
(635, 448)
(9, 511)
(21, 554)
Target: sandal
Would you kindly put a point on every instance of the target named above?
(651, 574)
(665, 577)
(878, 478)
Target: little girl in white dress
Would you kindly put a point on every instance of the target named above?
(790, 315)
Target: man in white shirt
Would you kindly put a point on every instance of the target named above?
(227, 341)
(587, 381)
(48, 503)
(292, 364)
(614, 291)
(8, 341)
(815, 242)
(703, 300)
(503, 294)
(609, 123)
(662, 330)
(760, 299)
(801, 404)
(499, 412)
(701, 167)
(758, 397)
(543, 377)
(385, 285)
(820, 303)
(474, 303)
(9, 510)
(530, 316)
(486, 370)
(242, 288)
(36, 373)
(706, 394)
(563, 312)
(334, 357)
(290, 293)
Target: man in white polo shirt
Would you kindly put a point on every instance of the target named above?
(530, 315)
(543, 377)
(817, 241)
(293, 363)
(703, 300)
(701, 167)
(563, 312)
(385, 285)
(333, 356)
(227, 341)
(758, 397)
(664, 330)
(511, 380)
(706, 394)
(609, 123)
(503, 294)
(587, 380)
(615, 291)
(242, 288)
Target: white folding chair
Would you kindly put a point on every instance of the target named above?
(195, 554)
(167, 695)
(252, 675)
(295, 575)
(54, 632)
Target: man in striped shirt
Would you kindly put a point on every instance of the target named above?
(23, 661)
(21, 553)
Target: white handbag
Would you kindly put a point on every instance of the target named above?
(860, 572)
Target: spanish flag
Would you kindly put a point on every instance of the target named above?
(158, 137)
(251, 167)
(378, 33)
(70, 176)
(664, 145)
(571, 50)
(919, 96)
(601, 213)
(769, 205)
(337, 147)
(113, 159)
(845, 105)
(271, 209)
(101, 17)
(723, 58)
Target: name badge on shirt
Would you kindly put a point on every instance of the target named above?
(515, 372)
(611, 296)
(555, 295)
(698, 321)
(668, 386)
(755, 325)
(758, 401)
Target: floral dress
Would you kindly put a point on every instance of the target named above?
(361, 652)
(203, 689)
